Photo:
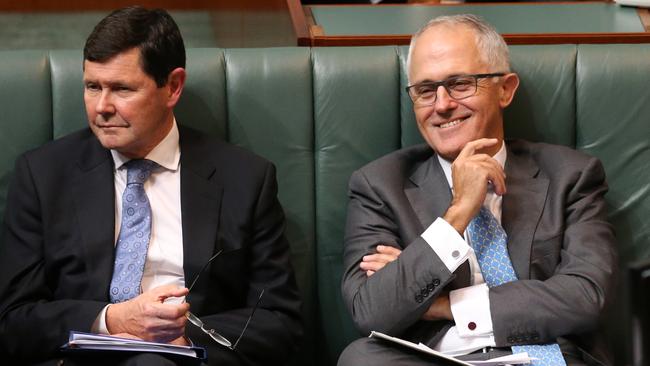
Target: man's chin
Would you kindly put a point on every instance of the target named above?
(109, 141)
(447, 151)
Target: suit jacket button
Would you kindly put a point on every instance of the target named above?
(430, 287)
(418, 298)
(423, 291)
(436, 282)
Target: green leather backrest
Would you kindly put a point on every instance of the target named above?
(270, 111)
(321, 113)
(25, 109)
(613, 123)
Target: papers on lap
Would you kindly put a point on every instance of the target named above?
(518, 358)
(97, 342)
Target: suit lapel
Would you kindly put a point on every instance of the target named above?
(94, 205)
(429, 193)
(522, 207)
(200, 205)
(430, 196)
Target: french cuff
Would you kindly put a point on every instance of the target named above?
(470, 307)
(448, 245)
(99, 325)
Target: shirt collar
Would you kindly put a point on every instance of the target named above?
(166, 154)
(500, 157)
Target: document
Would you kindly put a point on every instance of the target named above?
(517, 358)
(97, 342)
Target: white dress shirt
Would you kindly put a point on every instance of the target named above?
(164, 263)
(470, 306)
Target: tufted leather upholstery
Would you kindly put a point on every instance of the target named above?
(320, 113)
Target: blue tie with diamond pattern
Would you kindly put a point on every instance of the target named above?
(488, 239)
(135, 231)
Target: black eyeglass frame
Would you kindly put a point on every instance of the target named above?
(445, 84)
(212, 333)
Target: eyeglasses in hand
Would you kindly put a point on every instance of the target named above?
(211, 332)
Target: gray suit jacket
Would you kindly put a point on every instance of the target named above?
(560, 244)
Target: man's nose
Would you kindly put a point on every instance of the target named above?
(444, 102)
(104, 103)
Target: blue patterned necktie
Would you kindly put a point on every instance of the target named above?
(135, 231)
(489, 240)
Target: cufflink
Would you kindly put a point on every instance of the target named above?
(471, 326)
(455, 254)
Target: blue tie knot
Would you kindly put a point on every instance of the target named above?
(139, 170)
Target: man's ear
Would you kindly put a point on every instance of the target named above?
(175, 85)
(508, 89)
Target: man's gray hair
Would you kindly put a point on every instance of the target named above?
(491, 46)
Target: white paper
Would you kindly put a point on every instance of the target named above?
(103, 342)
(517, 358)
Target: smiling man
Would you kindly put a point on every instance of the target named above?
(107, 227)
(473, 245)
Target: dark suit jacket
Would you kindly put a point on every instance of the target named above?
(57, 259)
(559, 241)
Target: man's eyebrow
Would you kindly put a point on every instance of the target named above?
(429, 81)
(110, 83)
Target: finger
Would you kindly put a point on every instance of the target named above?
(472, 146)
(180, 341)
(499, 184)
(370, 273)
(493, 170)
(387, 249)
(126, 335)
(167, 311)
(167, 335)
(383, 258)
(166, 291)
(496, 175)
(374, 266)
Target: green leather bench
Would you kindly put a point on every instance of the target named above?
(318, 114)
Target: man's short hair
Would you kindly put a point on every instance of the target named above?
(490, 44)
(153, 32)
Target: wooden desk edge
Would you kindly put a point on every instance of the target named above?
(511, 39)
(644, 15)
(299, 22)
(318, 38)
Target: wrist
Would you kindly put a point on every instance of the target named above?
(458, 217)
(113, 323)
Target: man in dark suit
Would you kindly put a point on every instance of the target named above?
(186, 198)
(416, 257)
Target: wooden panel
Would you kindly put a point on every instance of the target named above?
(72, 5)
(299, 21)
(644, 14)
(319, 37)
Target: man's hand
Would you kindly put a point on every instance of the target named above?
(374, 262)
(471, 173)
(147, 316)
(439, 309)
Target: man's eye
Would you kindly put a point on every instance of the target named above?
(461, 84)
(425, 90)
(92, 87)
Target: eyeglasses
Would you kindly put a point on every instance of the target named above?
(211, 332)
(458, 87)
